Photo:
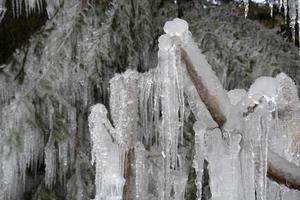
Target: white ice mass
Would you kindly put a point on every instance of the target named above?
(149, 112)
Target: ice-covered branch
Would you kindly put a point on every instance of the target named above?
(283, 171)
(209, 100)
(279, 169)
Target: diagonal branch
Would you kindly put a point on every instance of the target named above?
(282, 171)
(279, 169)
(210, 101)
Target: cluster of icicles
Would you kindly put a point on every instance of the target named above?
(291, 10)
(39, 119)
(148, 111)
(28, 6)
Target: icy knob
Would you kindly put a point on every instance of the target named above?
(99, 110)
(176, 27)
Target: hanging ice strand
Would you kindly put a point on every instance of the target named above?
(2, 9)
(170, 80)
(262, 92)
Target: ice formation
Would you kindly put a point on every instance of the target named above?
(51, 119)
(148, 112)
(28, 6)
(14, 162)
(2, 9)
(107, 156)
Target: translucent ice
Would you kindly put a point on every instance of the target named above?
(107, 156)
(266, 87)
(176, 27)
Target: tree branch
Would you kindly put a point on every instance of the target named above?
(282, 171)
(128, 174)
(210, 101)
(279, 169)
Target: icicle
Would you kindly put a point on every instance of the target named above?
(63, 156)
(170, 88)
(263, 92)
(50, 162)
(246, 5)
(261, 168)
(198, 160)
(52, 5)
(140, 172)
(279, 4)
(285, 7)
(146, 106)
(270, 2)
(30, 7)
(292, 11)
(2, 9)
(15, 159)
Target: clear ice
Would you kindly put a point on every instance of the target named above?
(148, 112)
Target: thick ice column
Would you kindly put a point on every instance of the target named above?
(198, 161)
(106, 154)
(262, 93)
(170, 92)
(124, 106)
(141, 176)
(224, 165)
(247, 165)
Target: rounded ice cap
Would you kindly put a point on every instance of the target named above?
(164, 42)
(176, 27)
(99, 109)
(266, 87)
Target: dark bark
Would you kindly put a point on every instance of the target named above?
(210, 101)
(282, 171)
(129, 174)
